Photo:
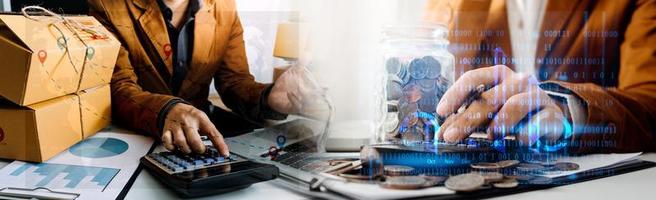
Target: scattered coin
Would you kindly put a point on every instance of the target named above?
(485, 166)
(491, 177)
(506, 183)
(434, 180)
(566, 166)
(465, 182)
(507, 163)
(529, 168)
(404, 182)
(398, 170)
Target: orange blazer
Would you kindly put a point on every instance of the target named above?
(603, 51)
(139, 91)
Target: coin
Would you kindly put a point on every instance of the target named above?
(529, 168)
(434, 67)
(465, 182)
(412, 93)
(393, 88)
(407, 108)
(409, 120)
(491, 177)
(418, 68)
(507, 163)
(403, 182)
(434, 180)
(427, 104)
(506, 183)
(404, 74)
(485, 166)
(393, 65)
(427, 84)
(398, 170)
(566, 166)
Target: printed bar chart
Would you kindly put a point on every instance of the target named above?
(65, 176)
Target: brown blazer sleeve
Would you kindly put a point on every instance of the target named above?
(631, 107)
(233, 81)
(131, 105)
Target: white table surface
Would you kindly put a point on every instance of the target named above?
(634, 185)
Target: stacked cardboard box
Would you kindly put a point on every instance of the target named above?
(54, 83)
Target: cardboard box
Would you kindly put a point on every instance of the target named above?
(40, 131)
(43, 59)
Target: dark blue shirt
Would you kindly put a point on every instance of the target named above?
(181, 40)
(182, 44)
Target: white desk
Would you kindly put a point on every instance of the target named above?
(634, 185)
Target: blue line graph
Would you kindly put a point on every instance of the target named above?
(46, 173)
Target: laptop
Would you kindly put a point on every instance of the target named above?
(292, 146)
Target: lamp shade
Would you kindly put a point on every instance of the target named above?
(287, 41)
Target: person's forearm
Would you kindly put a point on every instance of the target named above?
(617, 121)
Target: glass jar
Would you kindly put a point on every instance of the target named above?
(418, 69)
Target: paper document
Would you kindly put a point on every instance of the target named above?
(373, 191)
(98, 167)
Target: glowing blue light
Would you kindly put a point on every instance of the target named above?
(563, 143)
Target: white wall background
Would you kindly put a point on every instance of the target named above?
(345, 43)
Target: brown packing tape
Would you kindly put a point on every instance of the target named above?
(40, 131)
(95, 109)
(56, 67)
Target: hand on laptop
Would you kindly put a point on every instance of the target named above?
(511, 97)
(182, 129)
(296, 92)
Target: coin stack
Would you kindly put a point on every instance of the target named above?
(416, 86)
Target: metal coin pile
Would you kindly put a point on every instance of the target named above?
(483, 175)
(507, 174)
(416, 85)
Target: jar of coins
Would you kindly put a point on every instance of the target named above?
(418, 69)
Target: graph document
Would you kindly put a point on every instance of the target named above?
(98, 167)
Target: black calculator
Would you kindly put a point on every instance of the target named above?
(195, 175)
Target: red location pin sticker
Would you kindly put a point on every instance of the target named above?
(2, 134)
(167, 50)
(42, 56)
